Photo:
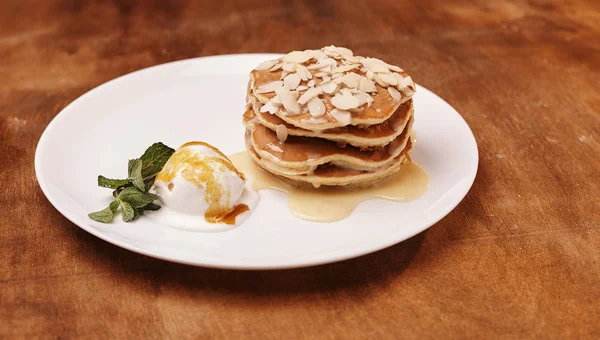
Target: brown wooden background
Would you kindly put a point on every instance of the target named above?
(519, 258)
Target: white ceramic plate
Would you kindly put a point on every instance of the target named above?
(203, 99)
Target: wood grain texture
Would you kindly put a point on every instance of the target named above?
(518, 258)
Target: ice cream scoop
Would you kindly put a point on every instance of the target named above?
(198, 180)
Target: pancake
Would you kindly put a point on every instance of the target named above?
(328, 88)
(327, 117)
(305, 154)
(366, 138)
(337, 176)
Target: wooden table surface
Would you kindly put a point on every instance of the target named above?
(518, 258)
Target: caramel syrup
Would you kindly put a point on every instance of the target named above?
(329, 204)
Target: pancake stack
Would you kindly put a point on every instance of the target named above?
(327, 117)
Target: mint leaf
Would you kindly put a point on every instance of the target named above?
(136, 198)
(110, 183)
(105, 215)
(151, 206)
(154, 159)
(135, 174)
(128, 212)
(114, 205)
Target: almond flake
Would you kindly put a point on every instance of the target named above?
(363, 98)
(345, 68)
(388, 78)
(353, 91)
(379, 81)
(308, 95)
(321, 74)
(405, 82)
(326, 78)
(289, 100)
(269, 107)
(291, 81)
(317, 55)
(367, 85)
(395, 94)
(351, 80)
(375, 65)
(265, 65)
(370, 75)
(302, 88)
(344, 102)
(311, 83)
(341, 116)
(338, 80)
(276, 67)
(394, 68)
(352, 59)
(269, 87)
(288, 67)
(345, 92)
(316, 107)
(303, 72)
(276, 101)
(282, 132)
(329, 87)
(297, 57)
(337, 75)
(284, 74)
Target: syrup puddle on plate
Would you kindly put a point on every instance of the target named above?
(329, 204)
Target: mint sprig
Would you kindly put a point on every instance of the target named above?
(131, 195)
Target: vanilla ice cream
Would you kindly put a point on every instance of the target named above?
(200, 181)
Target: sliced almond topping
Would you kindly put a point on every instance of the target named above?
(321, 74)
(269, 87)
(394, 68)
(363, 98)
(311, 83)
(309, 94)
(326, 78)
(291, 81)
(395, 94)
(406, 82)
(367, 85)
(303, 72)
(276, 101)
(282, 132)
(388, 78)
(265, 65)
(329, 87)
(317, 55)
(269, 107)
(289, 100)
(353, 59)
(284, 74)
(337, 75)
(338, 80)
(288, 67)
(379, 81)
(297, 57)
(302, 88)
(345, 92)
(351, 80)
(344, 101)
(316, 107)
(370, 75)
(276, 67)
(375, 65)
(408, 92)
(340, 50)
(345, 68)
(341, 116)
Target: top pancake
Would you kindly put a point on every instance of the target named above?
(329, 88)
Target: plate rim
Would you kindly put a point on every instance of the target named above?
(202, 263)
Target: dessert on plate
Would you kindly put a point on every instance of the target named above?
(328, 117)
